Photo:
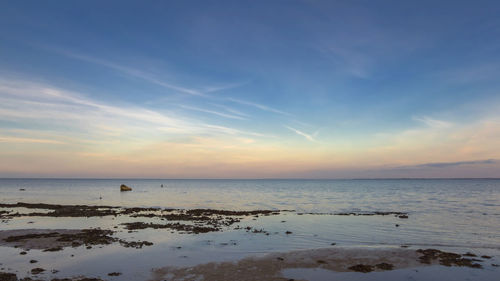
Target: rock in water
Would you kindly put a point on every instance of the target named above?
(125, 188)
(8, 276)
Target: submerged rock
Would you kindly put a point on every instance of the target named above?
(53, 249)
(188, 228)
(385, 266)
(446, 258)
(125, 188)
(37, 270)
(362, 268)
(4, 276)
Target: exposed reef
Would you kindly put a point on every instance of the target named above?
(447, 258)
(57, 240)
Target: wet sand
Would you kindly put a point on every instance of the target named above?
(270, 267)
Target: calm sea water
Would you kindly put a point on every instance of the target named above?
(461, 215)
(468, 196)
(463, 211)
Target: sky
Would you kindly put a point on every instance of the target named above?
(249, 89)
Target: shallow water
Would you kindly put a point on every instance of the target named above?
(459, 215)
(447, 212)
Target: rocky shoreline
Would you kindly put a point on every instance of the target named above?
(205, 220)
(198, 221)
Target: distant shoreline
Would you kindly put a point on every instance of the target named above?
(242, 179)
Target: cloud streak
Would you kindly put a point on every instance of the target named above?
(148, 77)
(225, 115)
(458, 163)
(231, 110)
(433, 123)
(258, 106)
(24, 101)
(136, 73)
(357, 64)
(300, 133)
(8, 139)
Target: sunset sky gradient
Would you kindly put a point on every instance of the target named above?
(249, 89)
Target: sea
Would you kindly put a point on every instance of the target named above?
(450, 214)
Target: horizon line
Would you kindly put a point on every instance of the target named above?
(113, 178)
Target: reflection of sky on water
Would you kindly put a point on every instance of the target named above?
(457, 215)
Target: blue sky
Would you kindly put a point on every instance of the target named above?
(338, 88)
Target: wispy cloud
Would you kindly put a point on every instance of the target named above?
(132, 72)
(232, 131)
(25, 101)
(29, 100)
(473, 73)
(259, 106)
(307, 136)
(149, 77)
(433, 123)
(452, 164)
(28, 140)
(224, 87)
(213, 112)
(355, 63)
(229, 109)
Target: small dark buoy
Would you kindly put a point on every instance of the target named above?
(162, 185)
